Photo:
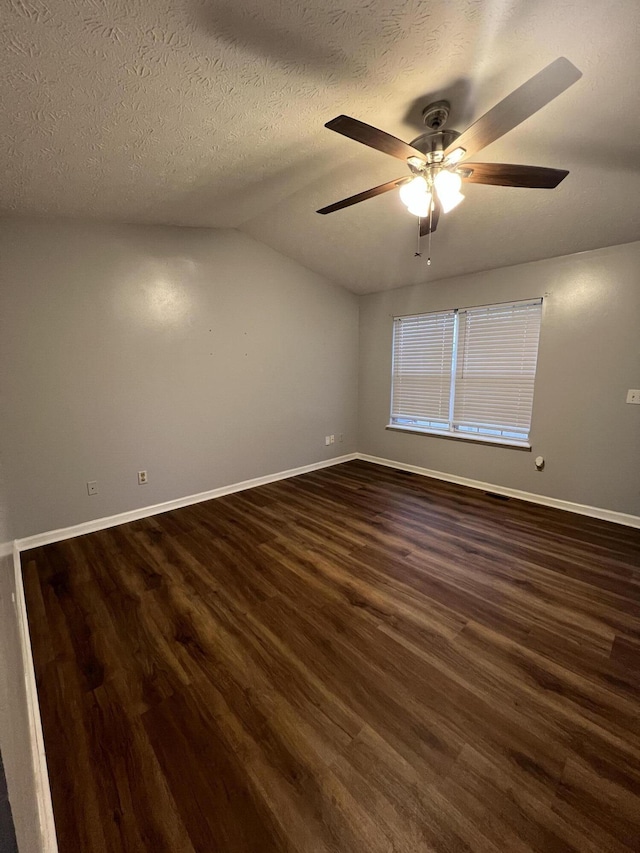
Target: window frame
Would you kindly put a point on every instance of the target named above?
(450, 432)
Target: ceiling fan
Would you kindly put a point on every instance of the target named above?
(438, 160)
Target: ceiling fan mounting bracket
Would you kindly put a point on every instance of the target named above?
(435, 115)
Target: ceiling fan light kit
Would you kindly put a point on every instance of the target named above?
(437, 159)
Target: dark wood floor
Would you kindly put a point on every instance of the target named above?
(354, 660)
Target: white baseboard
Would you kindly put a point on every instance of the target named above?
(581, 509)
(48, 840)
(144, 512)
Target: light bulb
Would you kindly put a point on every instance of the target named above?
(420, 207)
(414, 192)
(450, 200)
(446, 182)
(448, 188)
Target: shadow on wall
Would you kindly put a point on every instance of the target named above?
(6, 522)
(15, 741)
(272, 184)
(7, 832)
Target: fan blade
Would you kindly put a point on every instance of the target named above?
(373, 137)
(506, 175)
(354, 199)
(518, 106)
(425, 225)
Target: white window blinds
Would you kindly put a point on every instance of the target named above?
(496, 367)
(422, 365)
(468, 371)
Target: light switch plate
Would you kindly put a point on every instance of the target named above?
(633, 395)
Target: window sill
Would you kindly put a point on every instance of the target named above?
(476, 439)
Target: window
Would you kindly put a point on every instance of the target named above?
(468, 372)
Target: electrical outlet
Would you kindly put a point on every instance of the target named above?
(327, 440)
(341, 437)
(633, 395)
(142, 478)
(92, 487)
(333, 439)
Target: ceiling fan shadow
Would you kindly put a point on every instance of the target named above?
(271, 32)
(619, 158)
(239, 198)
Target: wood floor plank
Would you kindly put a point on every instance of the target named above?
(356, 660)
(206, 776)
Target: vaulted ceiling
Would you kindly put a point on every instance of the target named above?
(211, 113)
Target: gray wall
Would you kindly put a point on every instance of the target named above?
(201, 356)
(589, 356)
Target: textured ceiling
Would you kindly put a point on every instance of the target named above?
(211, 113)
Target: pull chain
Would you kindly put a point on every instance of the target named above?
(418, 253)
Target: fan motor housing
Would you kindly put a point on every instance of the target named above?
(433, 144)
